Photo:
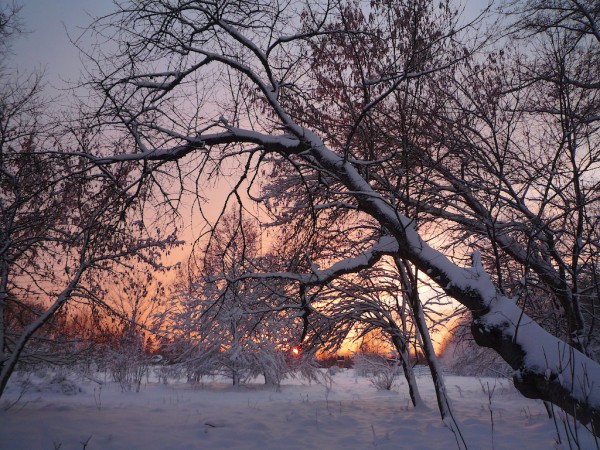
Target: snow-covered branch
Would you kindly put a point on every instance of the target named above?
(348, 115)
(386, 245)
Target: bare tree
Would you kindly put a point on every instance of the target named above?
(131, 302)
(63, 221)
(240, 327)
(248, 57)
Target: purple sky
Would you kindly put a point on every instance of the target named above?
(46, 46)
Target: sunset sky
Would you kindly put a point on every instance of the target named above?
(200, 199)
(45, 47)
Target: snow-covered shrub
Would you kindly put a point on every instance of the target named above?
(380, 370)
(383, 379)
(60, 383)
(127, 361)
(57, 382)
(164, 373)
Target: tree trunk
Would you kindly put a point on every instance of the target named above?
(410, 283)
(409, 373)
(545, 367)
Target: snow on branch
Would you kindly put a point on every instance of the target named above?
(386, 245)
(547, 367)
(279, 143)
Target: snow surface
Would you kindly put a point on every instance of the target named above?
(348, 414)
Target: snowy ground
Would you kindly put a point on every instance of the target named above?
(350, 414)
